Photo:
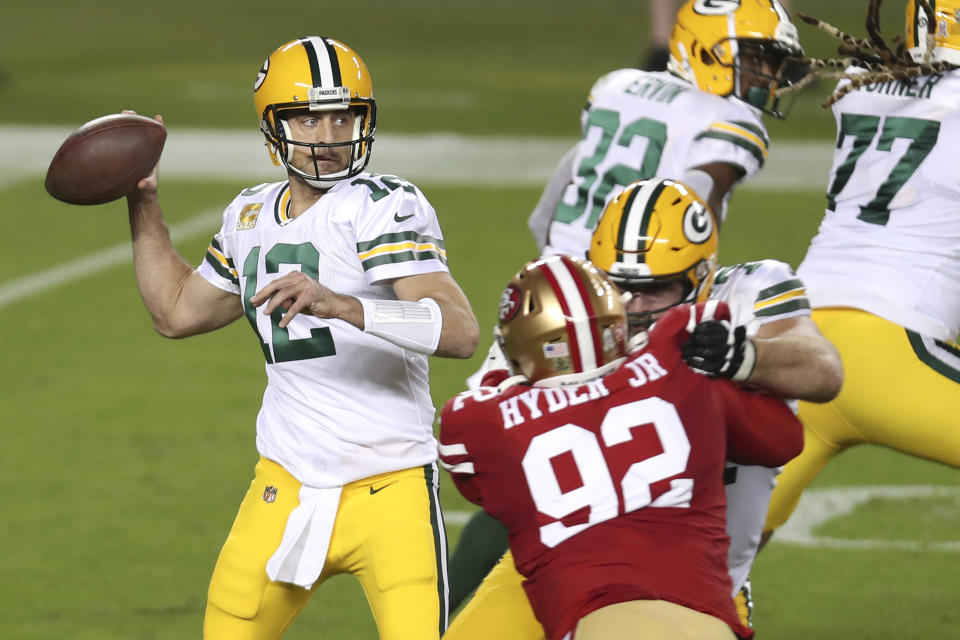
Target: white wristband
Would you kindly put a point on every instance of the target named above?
(409, 325)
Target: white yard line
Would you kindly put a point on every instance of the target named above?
(442, 158)
(818, 506)
(20, 288)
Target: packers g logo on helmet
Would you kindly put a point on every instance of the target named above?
(945, 31)
(709, 36)
(715, 7)
(315, 74)
(657, 231)
(561, 316)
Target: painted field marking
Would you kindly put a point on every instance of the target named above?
(819, 506)
(38, 282)
(441, 158)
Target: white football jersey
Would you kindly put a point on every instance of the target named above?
(757, 293)
(760, 292)
(641, 124)
(890, 240)
(340, 404)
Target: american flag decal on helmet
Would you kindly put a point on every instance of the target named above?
(585, 345)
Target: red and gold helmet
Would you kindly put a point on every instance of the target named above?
(315, 74)
(560, 316)
(710, 36)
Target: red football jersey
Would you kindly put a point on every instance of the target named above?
(612, 490)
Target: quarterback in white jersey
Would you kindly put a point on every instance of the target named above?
(658, 241)
(343, 276)
(883, 271)
(340, 404)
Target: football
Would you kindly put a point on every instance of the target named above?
(104, 159)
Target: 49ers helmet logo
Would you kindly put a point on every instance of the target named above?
(509, 303)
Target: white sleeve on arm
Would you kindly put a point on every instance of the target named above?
(539, 221)
(700, 181)
(410, 325)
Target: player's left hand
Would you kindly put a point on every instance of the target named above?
(719, 350)
(297, 292)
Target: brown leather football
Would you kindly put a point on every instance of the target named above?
(105, 159)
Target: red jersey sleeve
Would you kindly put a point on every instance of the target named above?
(456, 446)
(762, 429)
(494, 377)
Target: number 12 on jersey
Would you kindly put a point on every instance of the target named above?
(590, 457)
(285, 349)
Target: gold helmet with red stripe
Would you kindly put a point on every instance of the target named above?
(657, 231)
(945, 29)
(315, 74)
(561, 316)
(711, 36)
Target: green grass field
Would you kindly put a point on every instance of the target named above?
(126, 454)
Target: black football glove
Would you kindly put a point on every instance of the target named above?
(717, 349)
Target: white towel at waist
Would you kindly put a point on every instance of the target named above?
(306, 539)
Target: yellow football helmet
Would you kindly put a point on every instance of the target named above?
(657, 231)
(315, 74)
(946, 31)
(712, 38)
(561, 316)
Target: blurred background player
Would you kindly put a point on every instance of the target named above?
(883, 271)
(346, 481)
(607, 467)
(700, 124)
(658, 242)
(661, 14)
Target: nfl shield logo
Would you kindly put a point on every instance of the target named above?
(269, 494)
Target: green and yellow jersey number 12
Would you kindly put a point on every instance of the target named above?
(285, 348)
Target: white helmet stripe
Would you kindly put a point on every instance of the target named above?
(323, 62)
(781, 12)
(578, 312)
(636, 220)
